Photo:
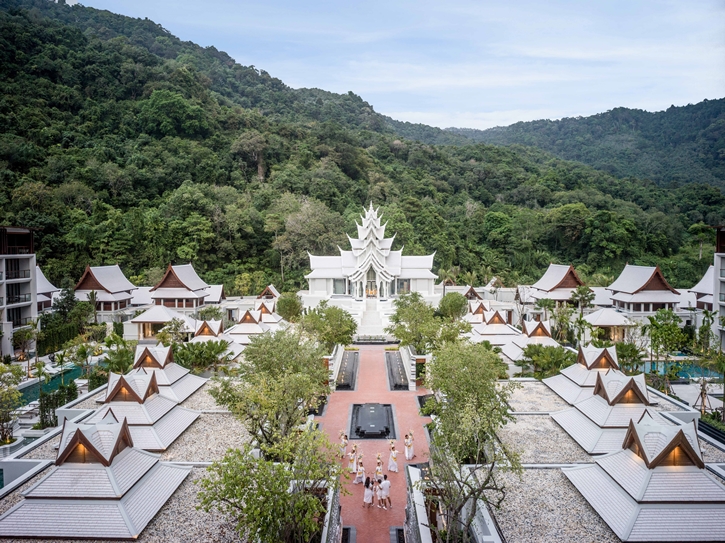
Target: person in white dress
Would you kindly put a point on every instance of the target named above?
(393, 460)
(352, 461)
(411, 449)
(408, 447)
(360, 475)
(379, 468)
(368, 494)
(343, 445)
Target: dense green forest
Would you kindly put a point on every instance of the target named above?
(122, 144)
(680, 145)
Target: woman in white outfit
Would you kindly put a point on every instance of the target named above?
(360, 475)
(411, 452)
(393, 460)
(343, 445)
(368, 494)
(408, 446)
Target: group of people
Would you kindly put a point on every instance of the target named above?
(377, 488)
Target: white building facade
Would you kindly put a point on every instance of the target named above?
(371, 269)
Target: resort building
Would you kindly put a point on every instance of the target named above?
(44, 291)
(18, 303)
(255, 322)
(101, 487)
(112, 290)
(615, 324)
(180, 288)
(371, 269)
(145, 326)
(557, 283)
(535, 333)
(640, 291)
(655, 487)
(718, 288)
(214, 331)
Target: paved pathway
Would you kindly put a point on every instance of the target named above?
(373, 525)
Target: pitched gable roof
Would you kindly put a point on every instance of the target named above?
(156, 356)
(616, 387)
(558, 276)
(133, 387)
(494, 317)
(598, 357)
(270, 292)
(537, 328)
(99, 442)
(660, 445)
(106, 278)
(634, 279)
(183, 276)
(703, 288)
(209, 328)
(42, 285)
(250, 317)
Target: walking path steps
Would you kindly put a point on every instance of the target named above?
(373, 525)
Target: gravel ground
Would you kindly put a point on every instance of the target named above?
(178, 520)
(533, 397)
(543, 506)
(91, 403)
(540, 440)
(664, 405)
(711, 454)
(207, 439)
(46, 451)
(202, 400)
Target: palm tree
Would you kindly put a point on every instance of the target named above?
(447, 276)
(582, 296)
(92, 299)
(60, 360)
(40, 371)
(469, 278)
(580, 325)
(547, 304)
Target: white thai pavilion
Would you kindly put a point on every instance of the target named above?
(640, 291)
(371, 269)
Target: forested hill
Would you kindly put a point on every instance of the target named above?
(122, 144)
(679, 145)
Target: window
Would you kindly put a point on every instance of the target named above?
(403, 286)
(338, 286)
(637, 307)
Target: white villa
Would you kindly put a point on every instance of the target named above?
(113, 291)
(640, 291)
(371, 269)
(181, 288)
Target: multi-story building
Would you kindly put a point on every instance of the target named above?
(18, 304)
(181, 289)
(641, 291)
(719, 283)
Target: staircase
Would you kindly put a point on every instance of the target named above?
(371, 323)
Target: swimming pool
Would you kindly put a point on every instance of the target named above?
(32, 393)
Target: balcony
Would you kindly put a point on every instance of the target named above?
(19, 299)
(23, 321)
(18, 274)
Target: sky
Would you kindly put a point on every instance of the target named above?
(474, 64)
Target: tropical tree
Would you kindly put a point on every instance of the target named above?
(203, 355)
(330, 325)
(545, 304)
(448, 276)
(80, 353)
(282, 378)
(414, 323)
(581, 325)
(469, 278)
(22, 337)
(283, 500)
(547, 360)
(119, 354)
(701, 232)
(210, 313)
(629, 355)
(665, 336)
(583, 297)
(174, 333)
(93, 300)
(466, 457)
(453, 305)
(562, 318)
(704, 333)
(40, 372)
(10, 399)
(289, 306)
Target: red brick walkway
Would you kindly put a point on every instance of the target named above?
(373, 525)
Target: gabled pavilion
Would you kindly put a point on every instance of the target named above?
(146, 325)
(557, 283)
(614, 323)
(655, 487)
(642, 290)
(180, 288)
(113, 290)
(255, 322)
(269, 293)
(576, 382)
(371, 269)
(535, 333)
(214, 331)
(148, 397)
(101, 487)
(598, 423)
